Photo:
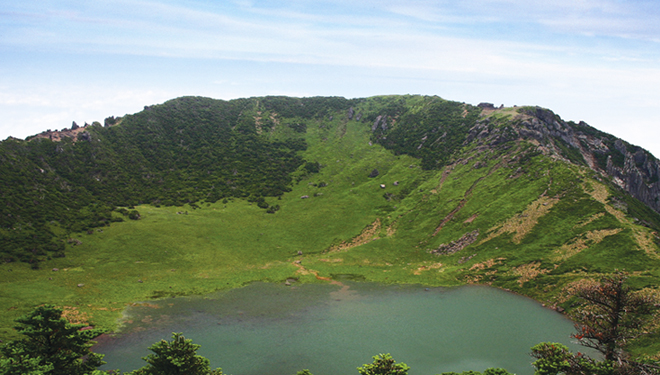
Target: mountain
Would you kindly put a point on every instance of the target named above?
(388, 188)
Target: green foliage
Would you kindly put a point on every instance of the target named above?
(207, 157)
(556, 359)
(384, 364)
(176, 357)
(20, 363)
(52, 345)
(431, 132)
(611, 315)
(181, 152)
(312, 167)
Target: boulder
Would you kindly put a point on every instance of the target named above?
(85, 136)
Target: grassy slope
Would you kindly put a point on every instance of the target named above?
(227, 245)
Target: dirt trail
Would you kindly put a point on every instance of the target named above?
(304, 271)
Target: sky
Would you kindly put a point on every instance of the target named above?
(78, 60)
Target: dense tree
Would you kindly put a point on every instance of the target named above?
(20, 363)
(611, 314)
(52, 345)
(176, 357)
(555, 358)
(384, 364)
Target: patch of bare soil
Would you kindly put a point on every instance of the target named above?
(528, 272)
(522, 224)
(583, 242)
(429, 267)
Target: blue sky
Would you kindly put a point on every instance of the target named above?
(591, 60)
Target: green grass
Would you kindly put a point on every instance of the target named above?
(222, 246)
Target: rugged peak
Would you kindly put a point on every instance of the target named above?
(630, 167)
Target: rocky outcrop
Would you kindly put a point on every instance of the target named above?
(638, 176)
(630, 167)
(380, 122)
(85, 136)
(458, 245)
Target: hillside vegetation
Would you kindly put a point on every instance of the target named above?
(394, 189)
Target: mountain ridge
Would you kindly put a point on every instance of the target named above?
(394, 189)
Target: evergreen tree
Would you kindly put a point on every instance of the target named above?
(384, 364)
(52, 346)
(176, 357)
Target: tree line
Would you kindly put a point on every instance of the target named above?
(185, 151)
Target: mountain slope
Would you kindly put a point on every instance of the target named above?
(397, 189)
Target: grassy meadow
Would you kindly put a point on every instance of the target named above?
(542, 224)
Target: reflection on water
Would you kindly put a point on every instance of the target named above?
(332, 329)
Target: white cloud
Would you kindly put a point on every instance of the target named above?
(531, 52)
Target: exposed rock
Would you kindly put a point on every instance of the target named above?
(304, 197)
(382, 186)
(55, 269)
(381, 121)
(639, 175)
(74, 126)
(479, 164)
(81, 285)
(484, 105)
(351, 112)
(358, 117)
(85, 136)
(396, 183)
(374, 173)
(458, 245)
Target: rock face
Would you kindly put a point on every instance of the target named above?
(630, 167)
(85, 136)
(380, 122)
(458, 245)
(638, 176)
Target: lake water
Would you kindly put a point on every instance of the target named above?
(270, 329)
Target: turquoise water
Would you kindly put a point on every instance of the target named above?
(332, 329)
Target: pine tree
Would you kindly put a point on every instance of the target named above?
(52, 345)
(176, 357)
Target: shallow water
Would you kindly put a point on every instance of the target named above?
(332, 329)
